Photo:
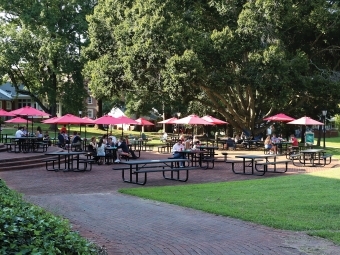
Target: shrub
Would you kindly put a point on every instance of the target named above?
(28, 229)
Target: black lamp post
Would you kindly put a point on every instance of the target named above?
(80, 112)
(178, 115)
(324, 113)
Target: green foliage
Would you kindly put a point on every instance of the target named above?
(307, 202)
(245, 59)
(40, 48)
(28, 229)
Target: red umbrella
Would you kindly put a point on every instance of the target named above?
(5, 113)
(144, 122)
(192, 120)
(168, 121)
(90, 121)
(68, 119)
(305, 121)
(29, 111)
(214, 120)
(106, 120)
(18, 120)
(50, 120)
(280, 117)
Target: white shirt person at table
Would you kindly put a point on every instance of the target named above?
(175, 150)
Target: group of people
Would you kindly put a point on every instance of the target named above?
(271, 143)
(179, 146)
(98, 148)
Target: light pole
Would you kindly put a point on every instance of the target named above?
(324, 113)
(178, 115)
(80, 112)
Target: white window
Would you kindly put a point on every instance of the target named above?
(90, 113)
(89, 100)
(24, 102)
(8, 105)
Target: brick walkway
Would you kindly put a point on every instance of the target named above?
(129, 225)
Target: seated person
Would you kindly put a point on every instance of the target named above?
(61, 140)
(275, 143)
(100, 152)
(197, 145)
(176, 150)
(113, 138)
(268, 145)
(47, 138)
(294, 141)
(123, 149)
(230, 143)
(76, 141)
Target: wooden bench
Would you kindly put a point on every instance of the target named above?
(272, 163)
(325, 157)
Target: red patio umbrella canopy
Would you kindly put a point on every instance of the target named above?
(90, 121)
(68, 119)
(126, 120)
(214, 120)
(168, 121)
(192, 120)
(5, 113)
(50, 121)
(144, 122)
(29, 111)
(18, 120)
(305, 121)
(107, 120)
(280, 117)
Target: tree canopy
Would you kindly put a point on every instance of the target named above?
(245, 59)
(40, 44)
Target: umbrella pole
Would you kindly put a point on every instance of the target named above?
(68, 136)
(32, 125)
(122, 131)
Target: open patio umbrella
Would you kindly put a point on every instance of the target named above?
(168, 121)
(213, 120)
(280, 117)
(52, 121)
(4, 113)
(68, 119)
(126, 120)
(29, 111)
(307, 121)
(192, 120)
(18, 120)
(143, 122)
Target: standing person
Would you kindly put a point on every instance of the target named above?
(176, 150)
(101, 151)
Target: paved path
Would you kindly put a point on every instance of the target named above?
(129, 225)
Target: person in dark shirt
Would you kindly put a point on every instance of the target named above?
(123, 149)
(61, 140)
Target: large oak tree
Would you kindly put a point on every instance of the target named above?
(245, 59)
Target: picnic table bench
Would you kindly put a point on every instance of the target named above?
(138, 169)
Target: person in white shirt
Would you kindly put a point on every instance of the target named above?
(19, 133)
(176, 150)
